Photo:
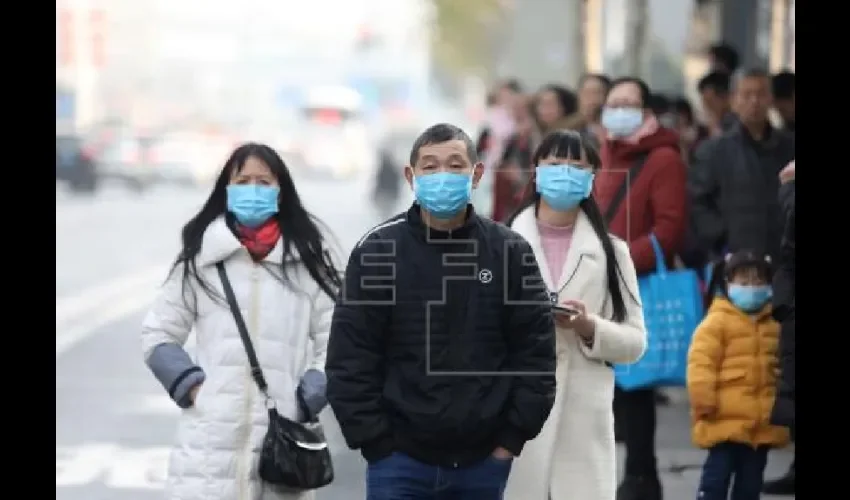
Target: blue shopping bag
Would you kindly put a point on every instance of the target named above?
(672, 309)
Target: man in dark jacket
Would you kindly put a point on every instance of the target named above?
(442, 347)
(784, 299)
(735, 177)
(784, 311)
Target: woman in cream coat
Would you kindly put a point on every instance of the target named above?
(591, 272)
(283, 279)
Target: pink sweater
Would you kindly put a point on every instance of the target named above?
(556, 243)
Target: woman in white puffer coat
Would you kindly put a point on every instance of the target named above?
(283, 280)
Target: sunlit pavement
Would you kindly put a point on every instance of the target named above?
(114, 423)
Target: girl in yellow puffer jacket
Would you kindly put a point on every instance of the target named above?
(732, 370)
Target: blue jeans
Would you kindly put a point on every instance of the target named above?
(399, 477)
(728, 462)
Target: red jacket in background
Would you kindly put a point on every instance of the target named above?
(657, 200)
(508, 193)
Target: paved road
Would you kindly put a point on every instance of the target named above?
(113, 421)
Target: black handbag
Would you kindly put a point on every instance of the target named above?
(294, 455)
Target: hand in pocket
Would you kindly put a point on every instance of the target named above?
(193, 393)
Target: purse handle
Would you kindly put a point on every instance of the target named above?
(660, 263)
(256, 371)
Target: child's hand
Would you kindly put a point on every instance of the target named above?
(704, 412)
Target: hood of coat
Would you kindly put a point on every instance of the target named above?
(724, 306)
(219, 244)
(620, 151)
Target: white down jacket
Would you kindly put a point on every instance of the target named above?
(219, 438)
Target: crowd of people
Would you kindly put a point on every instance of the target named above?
(703, 187)
(470, 359)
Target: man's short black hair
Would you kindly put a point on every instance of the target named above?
(682, 106)
(718, 81)
(440, 133)
(645, 95)
(659, 104)
(726, 54)
(783, 84)
(751, 73)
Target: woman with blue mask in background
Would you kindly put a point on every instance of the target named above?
(590, 273)
(283, 279)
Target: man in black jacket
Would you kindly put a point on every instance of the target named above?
(784, 299)
(735, 177)
(441, 358)
(785, 312)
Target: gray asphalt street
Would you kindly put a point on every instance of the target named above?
(114, 423)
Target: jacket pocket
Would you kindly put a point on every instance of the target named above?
(198, 403)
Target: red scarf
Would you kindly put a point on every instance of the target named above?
(261, 240)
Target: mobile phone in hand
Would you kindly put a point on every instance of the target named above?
(562, 309)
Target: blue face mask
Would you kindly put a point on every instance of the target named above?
(622, 122)
(749, 298)
(252, 204)
(563, 187)
(444, 194)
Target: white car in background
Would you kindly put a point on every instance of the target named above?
(129, 159)
(333, 140)
(191, 158)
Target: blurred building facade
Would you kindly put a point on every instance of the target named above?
(156, 61)
(555, 41)
(80, 44)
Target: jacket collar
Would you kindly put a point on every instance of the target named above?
(219, 244)
(770, 140)
(427, 233)
(723, 304)
(585, 249)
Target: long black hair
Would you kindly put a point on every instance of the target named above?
(571, 144)
(725, 268)
(299, 228)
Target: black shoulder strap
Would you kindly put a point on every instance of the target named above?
(621, 193)
(256, 371)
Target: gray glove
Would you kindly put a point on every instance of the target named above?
(313, 388)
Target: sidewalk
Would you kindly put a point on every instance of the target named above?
(680, 462)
